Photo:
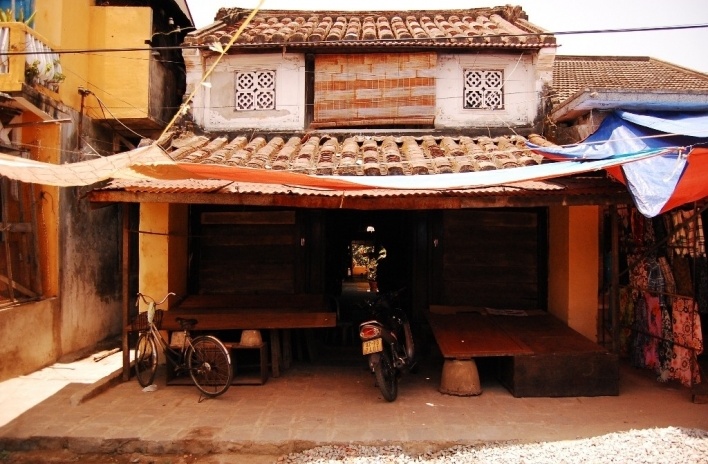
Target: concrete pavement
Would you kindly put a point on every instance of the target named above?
(332, 400)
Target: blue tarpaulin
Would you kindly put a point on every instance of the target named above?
(656, 183)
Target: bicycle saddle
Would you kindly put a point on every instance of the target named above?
(186, 323)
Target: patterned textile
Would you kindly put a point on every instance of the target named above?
(655, 332)
(688, 342)
(641, 338)
(627, 311)
(701, 283)
(664, 329)
(679, 237)
(694, 232)
(682, 274)
(668, 274)
(687, 236)
(638, 271)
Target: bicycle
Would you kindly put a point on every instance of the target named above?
(204, 357)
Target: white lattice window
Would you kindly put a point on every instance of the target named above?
(484, 89)
(255, 90)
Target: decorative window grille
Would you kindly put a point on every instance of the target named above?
(255, 90)
(483, 89)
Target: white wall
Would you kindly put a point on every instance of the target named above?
(526, 76)
(521, 98)
(214, 106)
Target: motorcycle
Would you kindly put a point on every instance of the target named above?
(387, 342)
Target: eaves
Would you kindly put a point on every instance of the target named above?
(590, 99)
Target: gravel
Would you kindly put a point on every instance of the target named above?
(658, 445)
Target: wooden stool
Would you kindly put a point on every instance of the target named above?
(460, 378)
(263, 361)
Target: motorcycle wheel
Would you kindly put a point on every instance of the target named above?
(386, 377)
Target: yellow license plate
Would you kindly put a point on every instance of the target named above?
(372, 346)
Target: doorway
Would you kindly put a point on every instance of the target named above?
(359, 242)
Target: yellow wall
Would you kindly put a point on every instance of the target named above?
(574, 267)
(118, 79)
(44, 141)
(163, 249)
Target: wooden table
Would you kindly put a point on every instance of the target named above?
(273, 312)
(471, 335)
(463, 334)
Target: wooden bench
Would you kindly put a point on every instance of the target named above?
(540, 355)
(273, 312)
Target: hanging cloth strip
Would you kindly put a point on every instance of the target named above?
(688, 342)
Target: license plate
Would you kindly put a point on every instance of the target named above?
(372, 346)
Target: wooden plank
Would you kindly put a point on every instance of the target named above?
(312, 301)
(566, 374)
(17, 286)
(240, 318)
(249, 217)
(546, 334)
(470, 335)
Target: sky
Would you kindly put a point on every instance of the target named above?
(688, 48)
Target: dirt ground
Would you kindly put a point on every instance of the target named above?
(68, 457)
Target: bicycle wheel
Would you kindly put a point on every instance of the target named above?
(145, 359)
(209, 364)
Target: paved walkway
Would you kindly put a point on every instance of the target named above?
(83, 406)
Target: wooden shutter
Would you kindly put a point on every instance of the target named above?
(247, 252)
(492, 259)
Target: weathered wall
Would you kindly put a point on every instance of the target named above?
(163, 249)
(218, 100)
(519, 91)
(80, 247)
(30, 337)
(79, 263)
(213, 105)
(573, 267)
(119, 79)
(90, 250)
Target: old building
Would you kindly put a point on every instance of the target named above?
(612, 106)
(60, 279)
(305, 129)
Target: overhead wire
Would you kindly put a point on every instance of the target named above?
(351, 42)
(223, 51)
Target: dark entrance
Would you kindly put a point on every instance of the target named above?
(355, 240)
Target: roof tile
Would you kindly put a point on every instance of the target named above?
(575, 73)
(476, 27)
(323, 154)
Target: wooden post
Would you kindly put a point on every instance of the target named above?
(125, 261)
(614, 288)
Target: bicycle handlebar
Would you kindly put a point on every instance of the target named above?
(148, 299)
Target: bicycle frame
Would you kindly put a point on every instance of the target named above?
(176, 356)
(204, 357)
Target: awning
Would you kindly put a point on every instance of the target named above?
(675, 176)
(151, 162)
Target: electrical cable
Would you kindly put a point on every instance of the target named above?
(353, 42)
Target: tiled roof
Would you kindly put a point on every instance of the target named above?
(575, 73)
(504, 27)
(356, 154)
(361, 155)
